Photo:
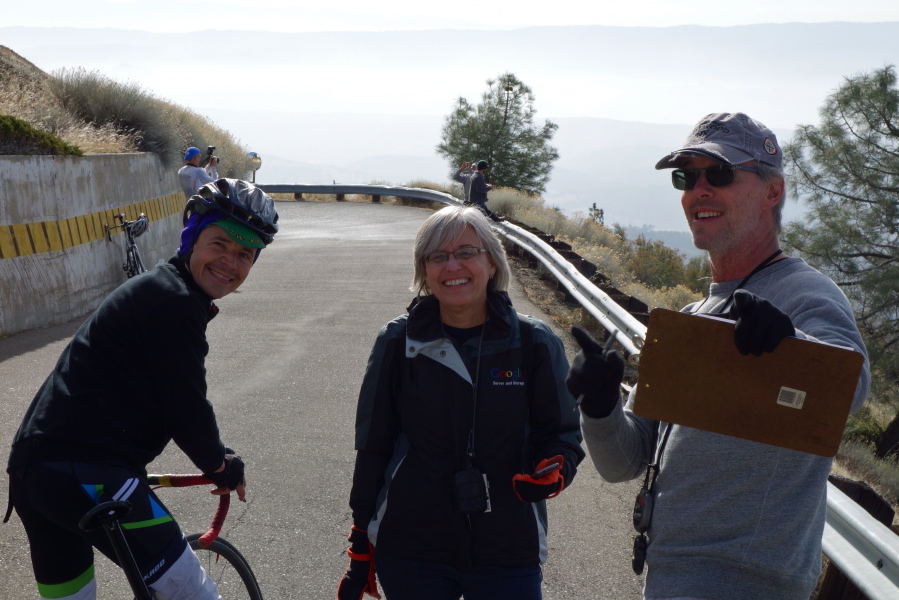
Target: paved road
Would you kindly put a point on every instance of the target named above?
(287, 355)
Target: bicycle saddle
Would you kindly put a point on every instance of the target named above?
(104, 514)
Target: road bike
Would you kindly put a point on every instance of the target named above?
(133, 264)
(221, 560)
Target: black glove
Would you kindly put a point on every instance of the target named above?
(760, 325)
(232, 476)
(595, 376)
(360, 577)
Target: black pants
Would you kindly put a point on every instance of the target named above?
(50, 499)
(483, 206)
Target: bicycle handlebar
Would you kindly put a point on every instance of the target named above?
(190, 480)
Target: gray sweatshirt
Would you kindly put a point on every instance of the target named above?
(733, 518)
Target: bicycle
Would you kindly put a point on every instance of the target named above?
(133, 264)
(233, 576)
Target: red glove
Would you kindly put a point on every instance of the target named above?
(534, 489)
(359, 578)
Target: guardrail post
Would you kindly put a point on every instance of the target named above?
(835, 585)
(298, 195)
(341, 197)
(376, 198)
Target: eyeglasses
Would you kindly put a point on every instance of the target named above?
(463, 254)
(717, 176)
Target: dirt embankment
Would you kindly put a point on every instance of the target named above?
(17, 73)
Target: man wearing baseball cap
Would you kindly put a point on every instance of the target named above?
(723, 517)
(192, 176)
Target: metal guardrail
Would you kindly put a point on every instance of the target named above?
(628, 331)
(865, 550)
(347, 189)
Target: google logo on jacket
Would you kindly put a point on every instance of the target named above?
(514, 375)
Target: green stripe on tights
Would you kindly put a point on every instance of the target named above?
(149, 523)
(61, 590)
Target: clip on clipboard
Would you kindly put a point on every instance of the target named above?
(797, 397)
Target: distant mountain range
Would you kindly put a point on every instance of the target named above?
(369, 106)
(601, 161)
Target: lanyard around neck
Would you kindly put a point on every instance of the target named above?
(740, 285)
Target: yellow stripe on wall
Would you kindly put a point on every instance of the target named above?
(47, 236)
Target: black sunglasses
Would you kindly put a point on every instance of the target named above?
(717, 176)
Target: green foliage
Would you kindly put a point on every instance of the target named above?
(655, 264)
(847, 171)
(605, 247)
(501, 130)
(19, 137)
(863, 427)
(698, 274)
(597, 214)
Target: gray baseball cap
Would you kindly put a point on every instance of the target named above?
(731, 138)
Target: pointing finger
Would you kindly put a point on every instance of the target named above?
(585, 340)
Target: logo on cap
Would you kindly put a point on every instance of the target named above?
(770, 147)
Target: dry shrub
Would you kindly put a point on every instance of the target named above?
(859, 461)
(100, 115)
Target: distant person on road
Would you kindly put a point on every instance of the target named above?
(479, 188)
(726, 517)
(463, 429)
(192, 176)
(131, 380)
(463, 176)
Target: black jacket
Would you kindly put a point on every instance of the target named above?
(413, 420)
(132, 379)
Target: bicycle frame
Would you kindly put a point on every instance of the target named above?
(133, 264)
(108, 514)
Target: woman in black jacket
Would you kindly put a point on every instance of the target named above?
(462, 403)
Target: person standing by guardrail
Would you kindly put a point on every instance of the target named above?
(478, 188)
(131, 380)
(192, 176)
(718, 516)
(463, 176)
(463, 429)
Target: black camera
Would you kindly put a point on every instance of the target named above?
(643, 510)
(472, 492)
(209, 151)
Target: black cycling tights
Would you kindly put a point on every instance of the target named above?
(51, 498)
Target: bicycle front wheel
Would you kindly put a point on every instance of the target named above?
(228, 568)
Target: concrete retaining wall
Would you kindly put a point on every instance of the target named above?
(55, 261)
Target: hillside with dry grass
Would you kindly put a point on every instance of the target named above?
(26, 93)
(96, 114)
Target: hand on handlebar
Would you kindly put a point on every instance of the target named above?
(229, 477)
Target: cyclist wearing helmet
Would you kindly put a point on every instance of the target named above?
(131, 380)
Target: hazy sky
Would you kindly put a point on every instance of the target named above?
(332, 99)
(388, 15)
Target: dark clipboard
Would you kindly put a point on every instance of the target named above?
(797, 397)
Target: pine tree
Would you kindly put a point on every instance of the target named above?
(847, 171)
(501, 130)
